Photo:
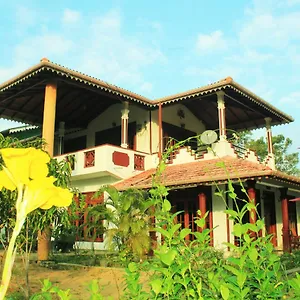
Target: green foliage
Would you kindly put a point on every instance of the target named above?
(49, 292)
(184, 269)
(291, 260)
(128, 216)
(285, 161)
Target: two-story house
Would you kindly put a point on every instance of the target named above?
(117, 137)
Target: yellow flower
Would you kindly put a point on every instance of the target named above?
(23, 165)
(41, 193)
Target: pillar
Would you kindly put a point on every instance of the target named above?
(269, 135)
(270, 160)
(48, 136)
(285, 219)
(160, 142)
(202, 207)
(61, 135)
(49, 116)
(221, 115)
(252, 198)
(220, 219)
(124, 125)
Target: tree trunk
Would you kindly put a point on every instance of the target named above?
(43, 249)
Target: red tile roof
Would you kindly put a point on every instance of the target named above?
(206, 172)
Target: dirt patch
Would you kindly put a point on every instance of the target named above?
(77, 280)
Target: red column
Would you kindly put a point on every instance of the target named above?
(202, 206)
(221, 115)
(285, 220)
(252, 198)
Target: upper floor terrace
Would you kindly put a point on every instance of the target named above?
(94, 120)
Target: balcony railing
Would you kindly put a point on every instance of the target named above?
(240, 151)
(106, 158)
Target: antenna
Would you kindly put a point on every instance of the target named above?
(208, 137)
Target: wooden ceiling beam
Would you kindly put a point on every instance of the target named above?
(22, 91)
(95, 90)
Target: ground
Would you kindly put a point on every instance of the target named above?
(76, 279)
(111, 279)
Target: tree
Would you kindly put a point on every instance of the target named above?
(128, 215)
(285, 161)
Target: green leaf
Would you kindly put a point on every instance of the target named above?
(232, 270)
(231, 213)
(168, 258)
(163, 232)
(200, 222)
(156, 286)
(238, 230)
(132, 267)
(174, 229)
(166, 206)
(184, 232)
(253, 254)
(241, 278)
(224, 292)
(94, 287)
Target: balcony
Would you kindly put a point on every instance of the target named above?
(106, 160)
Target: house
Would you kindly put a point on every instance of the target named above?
(117, 137)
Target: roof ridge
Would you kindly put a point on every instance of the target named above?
(46, 61)
(200, 91)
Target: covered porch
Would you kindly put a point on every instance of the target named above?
(193, 187)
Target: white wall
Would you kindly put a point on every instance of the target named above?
(219, 219)
(169, 115)
(113, 115)
(92, 184)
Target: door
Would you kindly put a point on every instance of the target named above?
(270, 216)
(293, 218)
(187, 216)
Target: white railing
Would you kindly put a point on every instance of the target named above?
(105, 159)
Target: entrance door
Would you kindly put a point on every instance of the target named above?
(270, 216)
(187, 216)
(293, 218)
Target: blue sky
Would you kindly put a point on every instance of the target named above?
(157, 48)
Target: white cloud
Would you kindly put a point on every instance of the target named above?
(293, 2)
(291, 99)
(250, 57)
(268, 30)
(25, 18)
(146, 87)
(211, 42)
(71, 16)
(49, 45)
(214, 73)
(116, 57)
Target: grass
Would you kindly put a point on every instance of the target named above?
(86, 258)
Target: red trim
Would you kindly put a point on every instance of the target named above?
(252, 198)
(120, 159)
(89, 159)
(285, 220)
(139, 162)
(89, 148)
(89, 201)
(186, 218)
(202, 205)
